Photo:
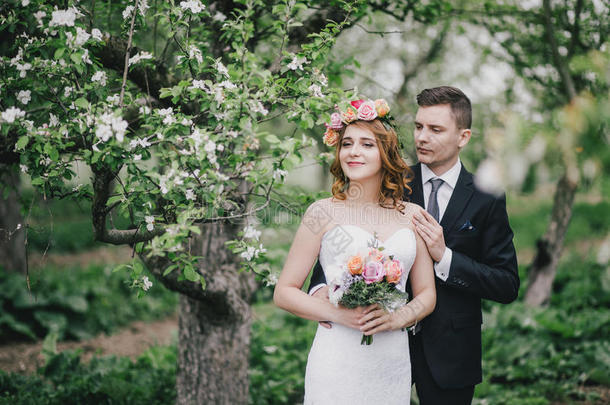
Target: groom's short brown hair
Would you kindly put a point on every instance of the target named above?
(460, 104)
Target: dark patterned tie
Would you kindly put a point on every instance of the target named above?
(432, 200)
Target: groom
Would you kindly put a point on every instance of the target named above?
(468, 236)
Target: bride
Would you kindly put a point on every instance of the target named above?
(370, 177)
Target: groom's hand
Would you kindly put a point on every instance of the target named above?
(322, 293)
(431, 232)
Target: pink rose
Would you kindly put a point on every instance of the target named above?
(357, 103)
(393, 271)
(373, 272)
(367, 111)
(335, 121)
(376, 255)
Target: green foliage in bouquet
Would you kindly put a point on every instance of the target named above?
(362, 294)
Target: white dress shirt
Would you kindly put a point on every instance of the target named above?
(450, 178)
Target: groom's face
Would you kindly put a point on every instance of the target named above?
(438, 139)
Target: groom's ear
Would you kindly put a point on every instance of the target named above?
(465, 135)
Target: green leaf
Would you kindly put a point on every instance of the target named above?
(22, 142)
(59, 53)
(76, 58)
(82, 103)
(191, 274)
(170, 269)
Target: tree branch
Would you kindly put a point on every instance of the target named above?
(560, 64)
(127, 52)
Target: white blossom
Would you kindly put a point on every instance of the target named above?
(251, 233)
(110, 125)
(252, 252)
(269, 281)
(194, 5)
(85, 58)
(53, 120)
(195, 52)
(210, 147)
(137, 157)
(297, 63)
(100, 77)
(114, 99)
(127, 12)
(316, 90)
(227, 84)
(222, 70)
(96, 34)
(39, 15)
(200, 84)
(139, 56)
(219, 16)
(24, 168)
(11, 114)
(82, 36)
(25, 3)
(67, 91)
(144, 110)
(24, 96)
(190, 195)
(219, 95)
(23, 68)
(279, 174)
(150, 222)
(63, 17)
(489, 177)
(146, 283)
(258, 107)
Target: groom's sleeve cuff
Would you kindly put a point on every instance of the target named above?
(442, 268)
(313, 290)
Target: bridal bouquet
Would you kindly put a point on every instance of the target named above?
(368, 277)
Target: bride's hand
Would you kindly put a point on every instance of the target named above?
(350, 317)
(376, 319)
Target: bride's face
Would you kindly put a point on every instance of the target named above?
(359, 154)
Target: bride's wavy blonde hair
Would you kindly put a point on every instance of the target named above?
(395, 173)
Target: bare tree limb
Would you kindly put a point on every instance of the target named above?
(560, 64)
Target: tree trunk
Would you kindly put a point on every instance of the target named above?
(214, 330)
(212, 355)
(12, 240)
(543, 269)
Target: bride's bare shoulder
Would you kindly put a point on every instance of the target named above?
(410, 209)
(318, 216)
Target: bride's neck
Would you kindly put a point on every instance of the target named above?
(363, 192)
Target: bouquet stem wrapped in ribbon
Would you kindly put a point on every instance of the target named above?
(369, 277)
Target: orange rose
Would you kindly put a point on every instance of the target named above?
(349, 115)
(354, 265)
(382, 107)
(331, 137)
(393, 271)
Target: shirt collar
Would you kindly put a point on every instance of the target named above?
(450, 176)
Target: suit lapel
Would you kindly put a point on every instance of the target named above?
(459, 199)
(417, 193)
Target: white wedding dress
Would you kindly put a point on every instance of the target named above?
(339, 369)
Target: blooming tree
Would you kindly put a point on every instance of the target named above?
(167, 103)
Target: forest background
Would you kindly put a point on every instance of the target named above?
(177, 144)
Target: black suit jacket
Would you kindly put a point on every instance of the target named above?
(483, 266)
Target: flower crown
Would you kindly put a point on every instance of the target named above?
(365, 110)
